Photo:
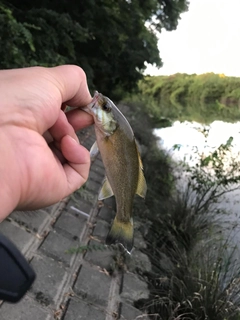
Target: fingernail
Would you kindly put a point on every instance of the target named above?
(75, 140)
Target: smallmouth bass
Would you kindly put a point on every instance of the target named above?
(123, 165)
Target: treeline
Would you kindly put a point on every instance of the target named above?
(184, 88)
(202, 98)
(111, 40)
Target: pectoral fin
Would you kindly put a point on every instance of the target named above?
(106, 191)
(94, 151)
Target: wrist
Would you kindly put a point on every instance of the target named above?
(9, 196)
(8, 203)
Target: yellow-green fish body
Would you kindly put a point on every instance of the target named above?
(123, 166)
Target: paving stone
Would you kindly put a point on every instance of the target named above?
(83, 194)
(96, 176)
(81, 135)
(98, 162)
(98, 169)
(139, 260)
(80, 204)
(71, 224)
(88, 143)
(133, 288)
(17, 235)
(50, 274)
(79, 310)
(110, 203)
(93, 186)
(139, 241)
(56, 246)
(30, 219)
(106, 213)
(93, 285)
(92, 136)
(142, 226)
(101, 229)
(130, 313)
(102, 258)
(85, 135)
(52, 209)
(26, 309)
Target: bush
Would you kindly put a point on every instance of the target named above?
(195, 270)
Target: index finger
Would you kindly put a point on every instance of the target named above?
(72, 84)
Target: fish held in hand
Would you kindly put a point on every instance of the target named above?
(123, 165)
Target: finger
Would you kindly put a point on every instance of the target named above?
(62, 128)
(79, 119)
(56, 150)
(43, 91)
(72, 83)
(77, 168)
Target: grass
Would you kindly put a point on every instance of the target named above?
(195, 271)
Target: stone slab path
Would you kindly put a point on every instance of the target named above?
(75, 284)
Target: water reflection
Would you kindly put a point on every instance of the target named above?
(189, 135)
(192, 136)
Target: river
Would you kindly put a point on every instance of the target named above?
(190, 136)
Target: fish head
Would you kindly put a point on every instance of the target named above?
(102, 110)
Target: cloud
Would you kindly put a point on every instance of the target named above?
(206, 40)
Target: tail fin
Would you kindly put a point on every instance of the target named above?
(121, 232)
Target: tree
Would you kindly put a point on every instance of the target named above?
(110, 39)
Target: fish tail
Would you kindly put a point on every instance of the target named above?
(121, 232)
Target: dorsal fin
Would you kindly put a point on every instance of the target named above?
(142, 185)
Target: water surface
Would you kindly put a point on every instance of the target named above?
(192, 140)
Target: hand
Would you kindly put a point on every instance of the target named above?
(41, 160)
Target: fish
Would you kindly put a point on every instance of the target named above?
(123, 166)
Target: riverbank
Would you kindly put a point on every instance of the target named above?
(194, 266)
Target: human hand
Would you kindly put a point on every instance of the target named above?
(41, 160)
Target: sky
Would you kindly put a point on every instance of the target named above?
(207, 39)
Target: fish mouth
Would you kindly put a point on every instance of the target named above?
(95, 99)
(92, 104)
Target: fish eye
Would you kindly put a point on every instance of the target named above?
(106, 107)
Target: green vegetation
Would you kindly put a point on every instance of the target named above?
(94, 34)
(202, 98)
(195, 271)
